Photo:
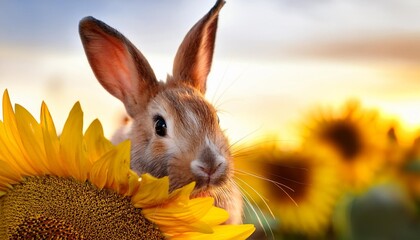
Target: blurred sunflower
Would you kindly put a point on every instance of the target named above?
(300, 187)
(409, 171)
(357, 137)
(80, 187)
(398, 151)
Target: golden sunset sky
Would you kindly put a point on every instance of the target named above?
(275, 60)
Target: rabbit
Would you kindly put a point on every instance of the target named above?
(175, 131)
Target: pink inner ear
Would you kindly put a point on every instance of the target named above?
(111, 62)
(118, 65)
(195, 54)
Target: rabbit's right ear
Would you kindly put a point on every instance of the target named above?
(195, 54)
(121, 69)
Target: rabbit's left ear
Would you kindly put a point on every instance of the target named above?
(194, 57)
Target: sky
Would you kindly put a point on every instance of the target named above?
(275, 60)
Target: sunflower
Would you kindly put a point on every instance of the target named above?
(79, 186)
(357, 137)
(409, 170)
(300, 187)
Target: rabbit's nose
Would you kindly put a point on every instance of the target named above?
(210, 170)
(209, 167)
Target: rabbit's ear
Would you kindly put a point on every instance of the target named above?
(194, 57)
(121, 69)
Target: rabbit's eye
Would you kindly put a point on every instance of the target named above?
(160, 126)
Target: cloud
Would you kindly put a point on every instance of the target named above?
(271, 30)
(380, 48)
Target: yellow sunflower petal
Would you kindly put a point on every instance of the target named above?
(9, 117)
(153, 191)
(178, 227)
(51, 141)
(6, 153)
(198, 206)
(226, 232)
(197, 222)
(99, 172)
(6, 187)
(215, 216)
(11, 139)
(133, 183)
(187, 216)
(112, 170)
(32, 139)
(182, 195)
(120, 167)
(71, 147)
(8, 175)
(233, 232)
(97, 145)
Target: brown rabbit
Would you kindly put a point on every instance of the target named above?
(174, 131)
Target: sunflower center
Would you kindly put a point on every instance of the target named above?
(345, 138)
(290, 180)
(50, 207)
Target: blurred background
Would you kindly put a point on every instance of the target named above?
(319, 97)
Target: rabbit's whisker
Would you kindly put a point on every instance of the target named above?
(259, 214)
(279, 185)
